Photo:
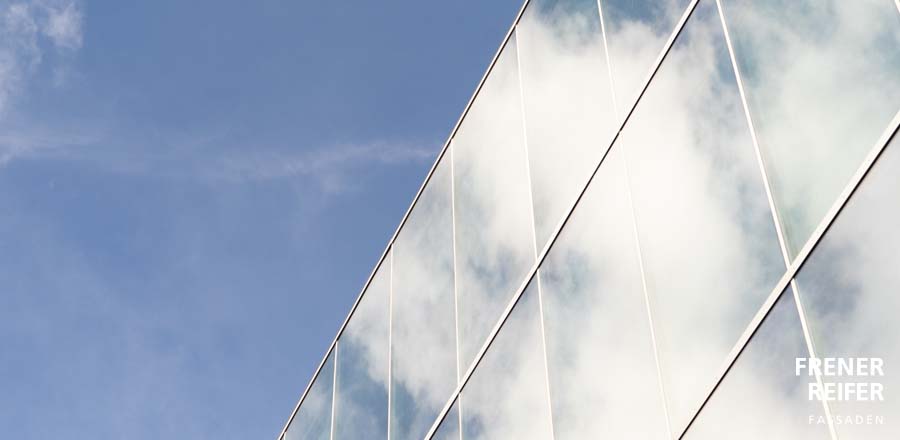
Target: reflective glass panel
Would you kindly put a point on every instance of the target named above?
(569, 114)
(762, 397)
(849, 286)
(506, 397)
(706, 233)
(494, 235)
(822, 79)
(603, 376)
(423, 327)
(361, 397)
(449, 427)
(313, 418)
(636, 31)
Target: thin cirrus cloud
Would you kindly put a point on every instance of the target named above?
(35, 143)
(41, 37)
(333, 167)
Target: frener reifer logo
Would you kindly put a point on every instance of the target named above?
(843, 379)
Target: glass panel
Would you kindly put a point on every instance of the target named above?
(361, 397)
(449, 427)
(313, 418)
(568, 104)
(822, 79)
(494, 236)
(603, 377)
(636, 31)
(423, 328)
(762, 397)
(849, 286)
(707, 236)
(506, 397)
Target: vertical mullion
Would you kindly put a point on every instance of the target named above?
(334, 388)
(520, 76)
(646, 292)
(637, 243)
(458, 372)
(390, 378)
(776, 218)
(612, 83)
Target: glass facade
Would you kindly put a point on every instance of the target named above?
(655, 220)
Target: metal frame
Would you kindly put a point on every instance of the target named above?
(456, 373)
(405, 216)
(786, 280)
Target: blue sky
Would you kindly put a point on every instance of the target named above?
(193, 193)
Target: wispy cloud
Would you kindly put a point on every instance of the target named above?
(39, 142)
(332, 167)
